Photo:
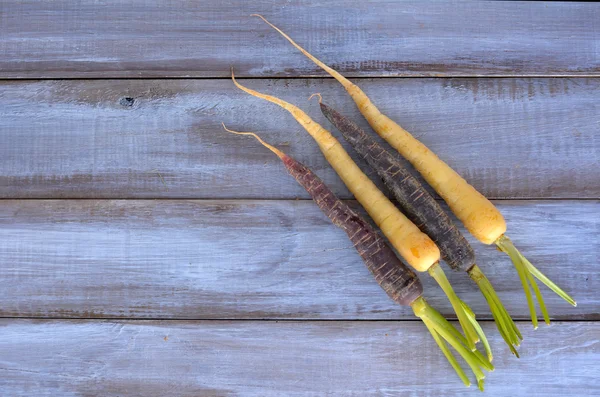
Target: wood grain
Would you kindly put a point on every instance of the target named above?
(230, 358)
(239, 259)
(511, 138)
(183, 38)
(165, 297)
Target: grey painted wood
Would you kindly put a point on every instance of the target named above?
(231, 358)
(243, 259)
(117, 38)
(278, 259)
(511, 138)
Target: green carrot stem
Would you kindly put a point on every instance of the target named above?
(505, 324)
(446, 330)
(540, 276)
(509, 330)
(470, 357)
(475, 324)
(510, 333)
(504, 332)
(538, 296)
(442, 328)
(506, 246)
(483, 361)
(438, 274)
(527, 272)
(444, 348)
(436, 317)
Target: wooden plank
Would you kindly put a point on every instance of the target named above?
(511, 138)
(227, 358)
(182, 38)
(271, 259)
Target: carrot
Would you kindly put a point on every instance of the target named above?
(424, 211)
(481, 218)
(414, 246)
(399, 282)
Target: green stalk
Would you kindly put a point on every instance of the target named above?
(506, 326)
(509, 330)
(471, 334)
(483, 361)
(442, 331)
(540, 276)
(538, 296)
(527, 272)
(474, 358)
(436, 317)
(444, 348)
(512, 252)
(475, 324)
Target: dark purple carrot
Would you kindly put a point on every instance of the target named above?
(399, 282)
(424, 211)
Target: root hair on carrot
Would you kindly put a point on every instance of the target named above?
(318, 95)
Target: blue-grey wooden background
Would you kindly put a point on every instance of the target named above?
(144, 252)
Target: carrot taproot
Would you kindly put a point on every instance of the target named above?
(399, 282)
(481, 218)
(415, 247)
(424, 211)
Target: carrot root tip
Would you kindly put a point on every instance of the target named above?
(318, 95)
(272, 148)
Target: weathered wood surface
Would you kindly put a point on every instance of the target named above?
(231, 358)
(227, 259)
(511, 138)
(206, 272)
(118, 38)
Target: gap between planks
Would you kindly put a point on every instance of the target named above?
(310, 76)
(550, 199)
(282, 320)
